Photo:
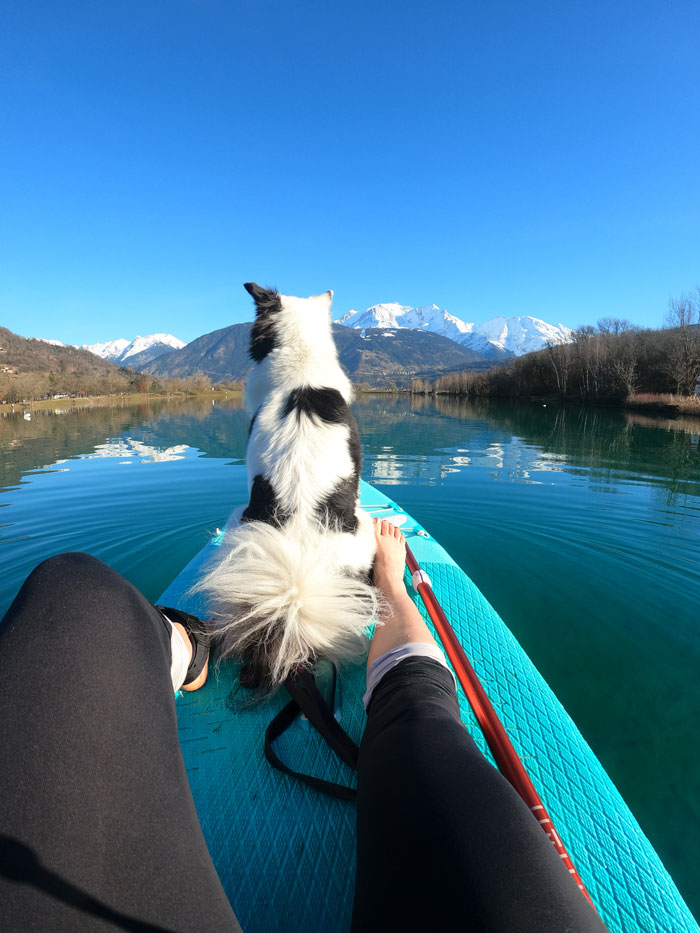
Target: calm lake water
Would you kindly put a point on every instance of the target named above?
(581, 527)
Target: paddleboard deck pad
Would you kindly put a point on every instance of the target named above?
(285, 853)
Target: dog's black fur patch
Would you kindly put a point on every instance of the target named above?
(339, 506)
(329, 406)
(263, 505)
(326, 404)
(263, 339)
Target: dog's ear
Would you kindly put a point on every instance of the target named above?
(266, 299)
(268, 305)
(257, 292)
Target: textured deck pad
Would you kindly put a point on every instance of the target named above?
(285, 853)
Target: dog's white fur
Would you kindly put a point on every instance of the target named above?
(284, 595)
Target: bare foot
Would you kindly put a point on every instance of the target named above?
(202, 678)
(390, 559)
(402, 623)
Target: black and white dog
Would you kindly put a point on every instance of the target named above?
(292, 584)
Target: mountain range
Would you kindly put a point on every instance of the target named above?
(384, 343)
(138, 352)
(375, 356)
(496, 338)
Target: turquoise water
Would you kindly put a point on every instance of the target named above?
(582, 529)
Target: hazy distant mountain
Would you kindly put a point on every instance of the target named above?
(137, 352)
(496, 338)
(377, 356)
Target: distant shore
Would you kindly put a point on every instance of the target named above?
(651, 403)
(106, 401)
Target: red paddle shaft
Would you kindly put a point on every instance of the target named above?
(501, 748)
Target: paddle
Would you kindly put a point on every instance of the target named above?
(496, 738)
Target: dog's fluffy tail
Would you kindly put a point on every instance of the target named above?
(280, 599)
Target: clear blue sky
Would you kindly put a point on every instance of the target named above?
(507, 157)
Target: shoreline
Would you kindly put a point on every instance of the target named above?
(686, 406)
(112, 401)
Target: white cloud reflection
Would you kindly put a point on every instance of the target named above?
(505, 461)
(128, 447)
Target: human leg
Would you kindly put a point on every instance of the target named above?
(442, 836)
(98, 824)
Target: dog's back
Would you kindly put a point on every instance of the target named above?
(293, 583)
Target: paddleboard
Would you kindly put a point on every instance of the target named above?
(285, 853)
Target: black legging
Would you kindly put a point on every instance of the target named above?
(98, 829)
(443, 839)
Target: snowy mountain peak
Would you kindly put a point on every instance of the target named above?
(54, 343)
(139, 344)
(392, 314)
(522, 334)
(110, 350)
(499, 336)
(120, 350)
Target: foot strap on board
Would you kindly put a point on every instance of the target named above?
(308, 699)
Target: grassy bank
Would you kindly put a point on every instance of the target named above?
(652, 402)
(664, 402)
(106, 401)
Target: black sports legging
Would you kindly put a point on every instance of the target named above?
(98, 829)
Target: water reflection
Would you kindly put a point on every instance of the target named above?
(524, 442)
(406, 440)
(152, 432)
(129, 447)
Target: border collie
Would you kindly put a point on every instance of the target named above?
(292, 584)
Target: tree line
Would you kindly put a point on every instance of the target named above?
(606, 362)
(32, 369)
(34, 386)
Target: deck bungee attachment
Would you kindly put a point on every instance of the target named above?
(509, 764)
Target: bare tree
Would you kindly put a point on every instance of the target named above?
(683, 318)
(559, 355)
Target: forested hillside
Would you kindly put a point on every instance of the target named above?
(610, 361)
(32, 369)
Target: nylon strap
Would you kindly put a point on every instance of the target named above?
(307, 699)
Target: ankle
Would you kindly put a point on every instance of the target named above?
(182, 632)
(393, 590)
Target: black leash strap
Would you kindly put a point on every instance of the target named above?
(307, 699)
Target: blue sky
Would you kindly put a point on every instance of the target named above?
(495, 158)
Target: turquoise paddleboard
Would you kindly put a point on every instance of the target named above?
(286, 853)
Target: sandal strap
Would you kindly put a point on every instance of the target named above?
(199, 638)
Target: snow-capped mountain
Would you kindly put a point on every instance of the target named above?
(119, 351)
(391, 314)
(110, 350)
(54, 343)
(523, 334)
(498, 336)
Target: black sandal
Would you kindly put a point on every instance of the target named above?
(199, 638)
